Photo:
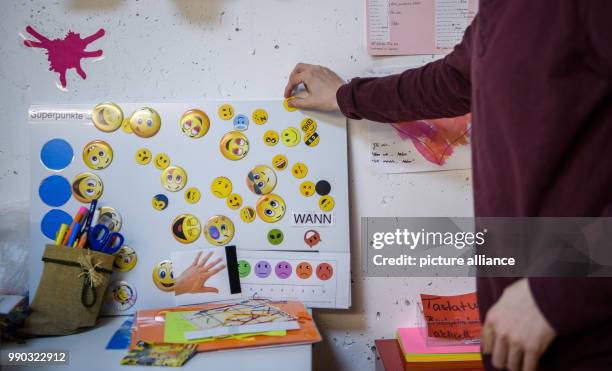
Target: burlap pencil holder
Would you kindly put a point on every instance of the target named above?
(70, 292)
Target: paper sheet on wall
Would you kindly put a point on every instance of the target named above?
(417, 26)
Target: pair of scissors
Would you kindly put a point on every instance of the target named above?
(102, 240)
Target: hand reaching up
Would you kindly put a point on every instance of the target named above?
(321, 85)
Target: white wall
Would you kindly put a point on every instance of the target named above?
(177, 50)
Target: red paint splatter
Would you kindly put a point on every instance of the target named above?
(436, 139)
(65, 53)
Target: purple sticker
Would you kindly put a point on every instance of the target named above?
(283, 270)
(262, 269)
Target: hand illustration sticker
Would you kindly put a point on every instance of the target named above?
(193, 279)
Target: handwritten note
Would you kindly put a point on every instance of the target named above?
(411, 27)
(452, 317)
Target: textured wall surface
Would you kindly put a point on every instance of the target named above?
(173, 50)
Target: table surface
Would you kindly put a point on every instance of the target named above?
(87, 352)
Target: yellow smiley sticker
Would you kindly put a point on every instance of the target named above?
(160, 202)
(260, 116)
(247, 214)
(290, 136)
(192, 195)
(194, 123)
(308, 125)
(186, 228)
(125, 259)
(219, 230)
(326, 203)
(307, 188)
(161, 161)
(270, 138)
(287, 106)
(97, 155)
(234, 201)
(234, 145)
(221, 187)
(299, 170)
(126, 127)
(280, 162)
(107, 117)
(145, 122)
(226, 112)
(311, 140)
(174, 178)
(143, 156)
(87, 187)
(163, 276)
(261, 180)
(271, 208)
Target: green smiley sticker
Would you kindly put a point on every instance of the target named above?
(275, 236)
(244, 268)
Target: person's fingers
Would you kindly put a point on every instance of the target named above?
(296, 78)
(306, 102)
(515, 358)
(197, 258)
(205, 259)
(500, 352)
(208, 266)
(530, 361)
(487, 339)
(216, 270)
(208, 289)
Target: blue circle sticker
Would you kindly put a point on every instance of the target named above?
(56, 154)
(52, 220)
(54, 190)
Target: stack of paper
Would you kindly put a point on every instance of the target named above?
(419, 356)
(252, 323)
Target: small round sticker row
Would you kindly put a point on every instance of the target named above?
(291, 136)
(284, 270)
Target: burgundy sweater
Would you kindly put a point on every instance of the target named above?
(537, 77)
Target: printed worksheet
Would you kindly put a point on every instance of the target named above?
(417, 26)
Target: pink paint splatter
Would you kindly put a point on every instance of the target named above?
(65, 53)
(436, 139)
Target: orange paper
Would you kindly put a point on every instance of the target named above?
(452, 317)
(149, 327)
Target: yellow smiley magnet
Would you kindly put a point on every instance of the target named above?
(260, 116)
(219, 230)
(143, 156)
(145, 122)
(290, 136)
(192, 195)
(221, 187)
(247, 214)
(226, 112)
(160, 202)
(186, 228)
(174, 178)
(270, 138)
(311, 140)
(287, 106)
(194, 123)
(326, 203)
(261, 180)
(234, 201)
(87, 187)
(271, 208)
(299, 170)
(163, 276)
(307, 188)
(125, 259)
(280, 162)
(126, 127)
(308, 125)
(107, 117)
(97, 155)
(234, 145)
(161, 161)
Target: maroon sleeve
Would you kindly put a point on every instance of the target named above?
(438, 89)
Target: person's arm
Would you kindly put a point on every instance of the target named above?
(438, 89)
